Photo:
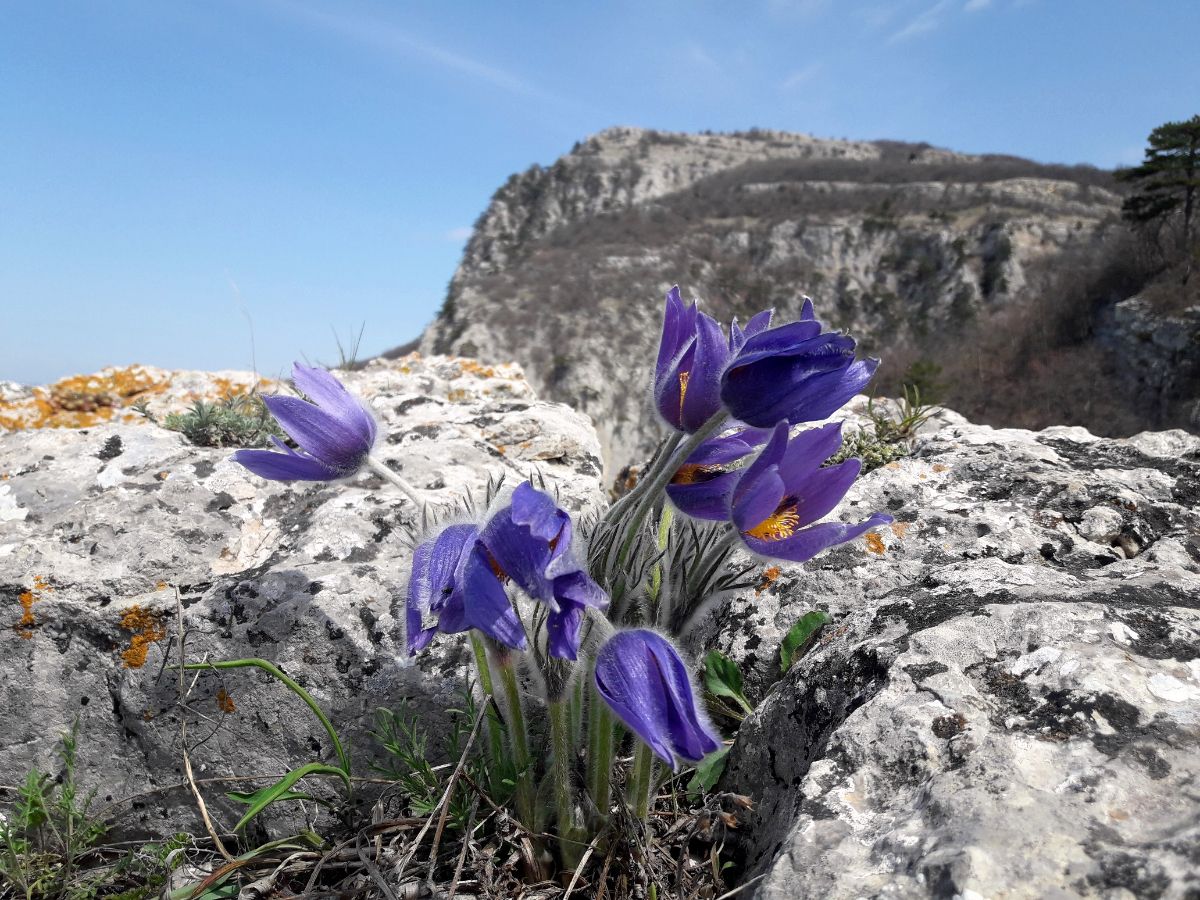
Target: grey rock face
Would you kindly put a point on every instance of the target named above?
(97, 526)
(1007, 703)
(567, 268)
(1158, 353)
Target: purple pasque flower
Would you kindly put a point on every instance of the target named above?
(780, 496)
(453, 588)
(794, 373)
(529, 541)
(642, 678)
(335, 432)
(692, 354)
(702, 486)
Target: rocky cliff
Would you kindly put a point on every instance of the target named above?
(903, 245)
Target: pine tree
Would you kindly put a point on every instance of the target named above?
(1168, 180)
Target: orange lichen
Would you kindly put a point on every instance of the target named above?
(457, 395)
(225, 702)
(473, 367)
(875, 543)
(768, 578)
(25, 625)
(900, 529)
(147, 627)
(80, 401)
(939, 468)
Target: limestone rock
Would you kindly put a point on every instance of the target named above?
(99, 525)
(1006, 703)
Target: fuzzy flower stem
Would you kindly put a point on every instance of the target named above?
(409, 491)
(504, 666)
(656, 480)
(495, 729)
(600, 753)
(562, 753)
(641, 781)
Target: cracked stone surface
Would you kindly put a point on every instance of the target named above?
(99, 525)
(1007, 703)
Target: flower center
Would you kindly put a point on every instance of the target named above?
(683, 383)
(781, 524)
(693, 473)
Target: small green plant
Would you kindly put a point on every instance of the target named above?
(237, 421)
(891, 434)
(49, 843)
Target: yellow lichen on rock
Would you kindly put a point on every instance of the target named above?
(25, 625)
(82, 401)
(147, 627)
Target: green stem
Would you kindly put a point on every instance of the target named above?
(518, 736)
(657, 482)
(600, 754)
(278, 674)
(569, 845)
(495, 729)
(641, 781)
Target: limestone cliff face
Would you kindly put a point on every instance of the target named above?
(900, 244)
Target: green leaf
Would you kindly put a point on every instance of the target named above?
(723, 678)
(800, 637)
(708, 773)
(281, 790)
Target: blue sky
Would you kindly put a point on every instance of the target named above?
(173, 171)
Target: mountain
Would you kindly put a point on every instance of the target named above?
(918, 252)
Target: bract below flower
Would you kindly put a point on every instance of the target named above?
(529, 541)
(785, 491)
(642, 678)
(794, 373)
(335, 432)
(692, 354)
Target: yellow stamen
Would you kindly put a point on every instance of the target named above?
(683, 383)
(692, 473)
(782, 523)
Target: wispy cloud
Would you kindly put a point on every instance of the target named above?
(976, 5)
(924, 23)
(801, 77)
(458, 235)
(396, 41)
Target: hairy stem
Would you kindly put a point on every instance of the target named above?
(656, 482)
(504, 666)
(569, 845)
(600, 754)
(381, 468)
(495, 728)
(641, 781)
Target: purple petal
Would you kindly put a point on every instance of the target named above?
(284, 466)
(642, 678)
(417, 607)
(756, 503)
(807, 451)
(702, 398)
(759, 322)
(729, 447)
(781, 339)
(766, 462)
(330, 440)
(480, 602)
(519, 555)
(795, 388)
(818, 494)
(679, 323)
(562, 631)
(807, 314)
(708, 499)
(578, 587)
(816, 352)
(808, 542)
(331, 395)
(668, 390)
(537, 511)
